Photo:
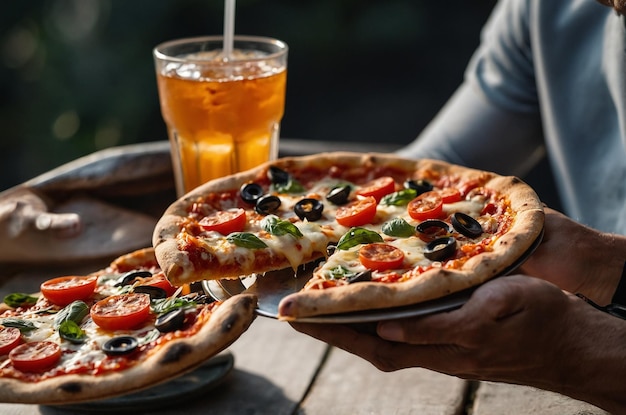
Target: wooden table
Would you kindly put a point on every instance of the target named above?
(280, 371)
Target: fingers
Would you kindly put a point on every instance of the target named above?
(488, 305)
(503, 314)
(384, 355)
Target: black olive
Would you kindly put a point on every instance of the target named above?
(330, 249)
(170, 321)
(420, 186)
(309, 209)
(196, 287)
(429, 227)
(120, 345)
(267, 204)
(361, 277)
(466, 225)
(440, 249)
(131, 276)
(277, 175)
(339, 195)
(251, 192)
(155, 293)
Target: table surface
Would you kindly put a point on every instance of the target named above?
(280, 371)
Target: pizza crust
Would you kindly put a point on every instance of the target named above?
(225, 325)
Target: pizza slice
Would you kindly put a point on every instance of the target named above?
(110, 333)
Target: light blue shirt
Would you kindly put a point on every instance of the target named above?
(549, 76)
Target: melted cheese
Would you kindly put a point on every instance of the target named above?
(86, 357)
(412, 247)
(471, 207)
(317, 235)
(77, 356)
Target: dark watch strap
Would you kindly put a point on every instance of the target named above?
(617, 307)
(614, 309)
(620, 293)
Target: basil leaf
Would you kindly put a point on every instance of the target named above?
(275, 226)
(19, 300)
(76, 312)
(246, 240)
(290, 186)
(23, 325)
(165, 305)
(357, 236)
(399, 198)
(47, 310)
(151, 336)
(398, 227)
(340, 272)
(70, 331)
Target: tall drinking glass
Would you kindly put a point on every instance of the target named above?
(222, 113)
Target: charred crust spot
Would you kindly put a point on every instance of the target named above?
(249, 302)
(229, 323)
(516, 180)
(175, 353)
(71, 387)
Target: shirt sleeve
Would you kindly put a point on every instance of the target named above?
(492, 122)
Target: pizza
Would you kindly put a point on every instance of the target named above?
(389, 231)
(110, 333)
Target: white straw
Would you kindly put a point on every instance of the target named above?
(229, 28)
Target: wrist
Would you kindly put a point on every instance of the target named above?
(614, 270)
(605, 266)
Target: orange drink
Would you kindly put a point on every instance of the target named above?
(222, 114)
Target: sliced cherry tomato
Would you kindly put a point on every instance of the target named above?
(378, 188)
(469, 186)
(225, 221)
(35, 356)
(121, 312)
(10, 338)
(159, 280)
(381, 256)
(428, 205)
(63, 290)
(357, 213)
(450, 195)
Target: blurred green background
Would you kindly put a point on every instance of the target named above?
(77, 76)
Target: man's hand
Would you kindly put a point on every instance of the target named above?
(501, 330)
(515, 329)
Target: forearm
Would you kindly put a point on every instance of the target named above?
(591, 363)
(471, 131)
